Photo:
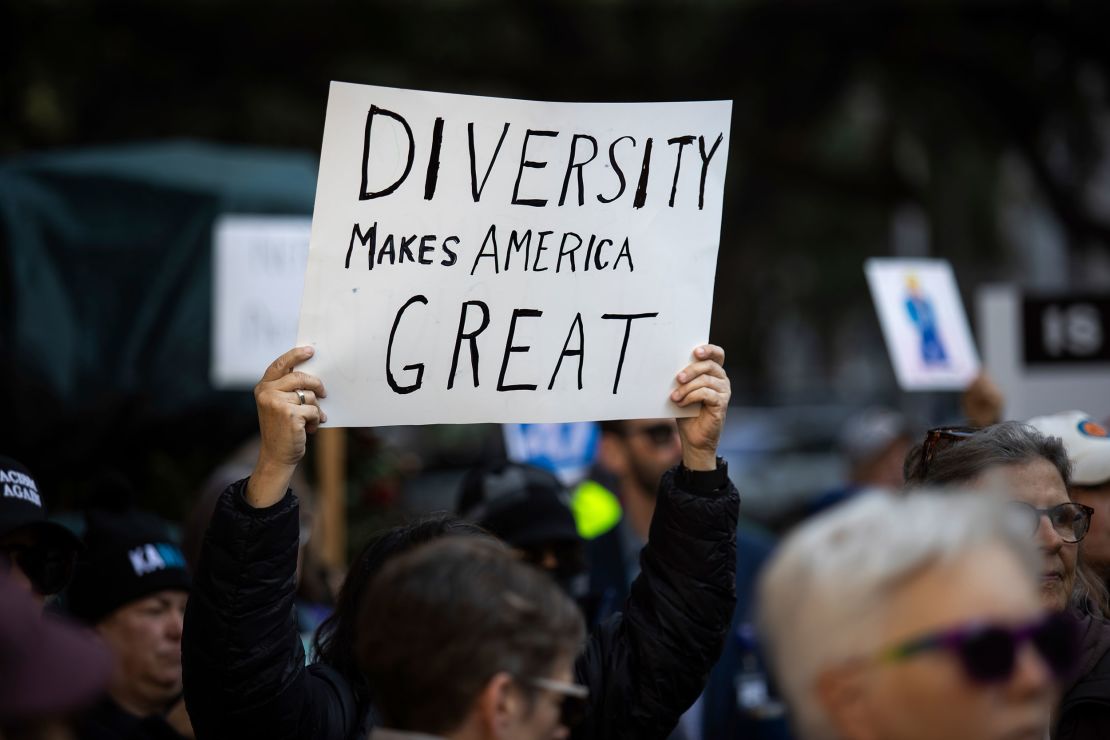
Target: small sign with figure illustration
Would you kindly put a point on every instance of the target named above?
(924, 323)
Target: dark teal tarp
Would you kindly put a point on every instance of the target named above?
(105, 289)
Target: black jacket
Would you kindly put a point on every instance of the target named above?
(108, 721)
(1084, 712)
(244, 664)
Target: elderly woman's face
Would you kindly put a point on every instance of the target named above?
(929, 695)
(1039, 484)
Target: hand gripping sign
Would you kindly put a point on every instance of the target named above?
(480, 259)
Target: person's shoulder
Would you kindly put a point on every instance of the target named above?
(1088, 720)
(344, 710)
(1093, 686)
(105, 721)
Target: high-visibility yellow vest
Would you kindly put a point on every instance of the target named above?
(596, 509)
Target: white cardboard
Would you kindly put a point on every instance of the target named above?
(924, 323)
(258, 267)
(350, 308)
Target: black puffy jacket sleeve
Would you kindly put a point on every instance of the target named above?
(645, 667)
(242, 659)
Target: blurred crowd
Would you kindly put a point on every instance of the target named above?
(954, 585)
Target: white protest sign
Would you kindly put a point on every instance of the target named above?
(924, 323)
(489, 260)
(258, 265)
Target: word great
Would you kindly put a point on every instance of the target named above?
(582, 151)
(575, 333)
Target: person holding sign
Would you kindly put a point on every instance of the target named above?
(243, 660)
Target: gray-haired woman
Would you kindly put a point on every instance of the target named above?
(913, 618)
(1033, 471)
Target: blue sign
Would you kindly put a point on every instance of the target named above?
(567, 450)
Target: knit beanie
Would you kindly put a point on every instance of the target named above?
(128, 556)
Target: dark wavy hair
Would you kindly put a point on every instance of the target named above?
(1007, 443)
(335, 640)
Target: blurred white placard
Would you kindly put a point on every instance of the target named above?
(258, 264)
(924, 323)
(482, 259)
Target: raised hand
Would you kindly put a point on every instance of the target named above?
(983, 402)
(288, 412)
(704, 382)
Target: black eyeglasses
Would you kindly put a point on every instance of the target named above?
(575, 704)
(48, 567)
(1071, 521)
(988, 652)
(938, 439)
(660, 435)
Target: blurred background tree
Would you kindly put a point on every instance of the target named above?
(859, 128)
(974, 131)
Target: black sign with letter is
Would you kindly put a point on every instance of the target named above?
(1066, 329)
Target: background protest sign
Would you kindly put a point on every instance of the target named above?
(258, 275)
(567, 450)
(1048, 352)
(924, 323)
(490, 260)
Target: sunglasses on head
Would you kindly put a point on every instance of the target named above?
(988, 652)
(47, 566)
(941, 438)
(575, 703)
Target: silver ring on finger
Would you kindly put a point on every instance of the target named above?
(300, 396)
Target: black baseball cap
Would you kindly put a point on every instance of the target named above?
(523, 505)
(48, 561)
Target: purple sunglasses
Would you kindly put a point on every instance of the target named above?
(988, 652)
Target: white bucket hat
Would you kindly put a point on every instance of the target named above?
(1086, 442)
